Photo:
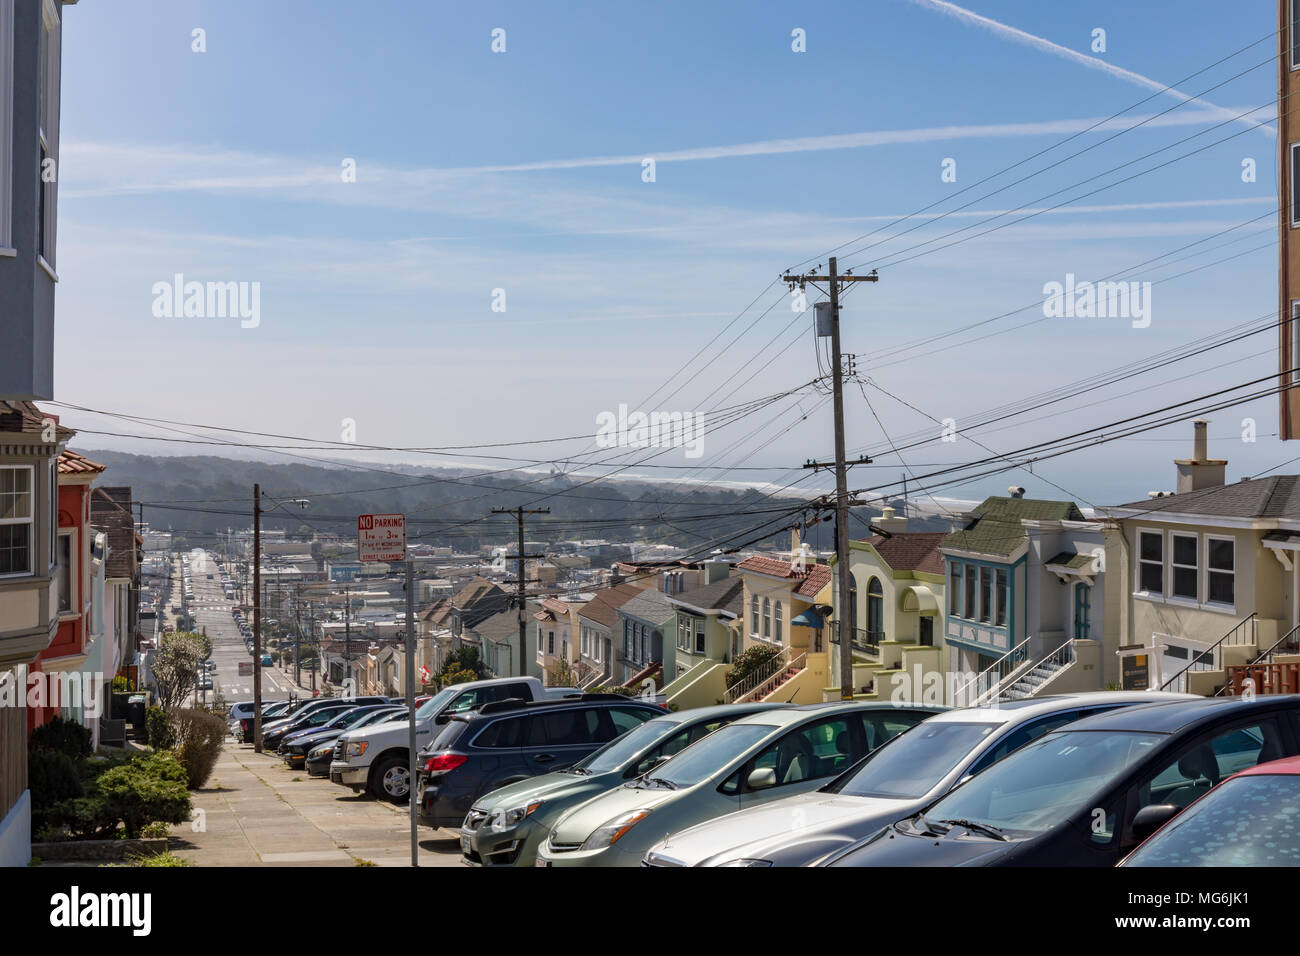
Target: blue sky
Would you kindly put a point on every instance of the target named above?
(522, 171)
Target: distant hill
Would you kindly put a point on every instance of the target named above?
(203, 495)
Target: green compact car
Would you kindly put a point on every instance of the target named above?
(750, 761)
(505, 827)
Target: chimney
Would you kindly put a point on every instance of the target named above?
(717, 570)
(1200, 471)
(890, 521)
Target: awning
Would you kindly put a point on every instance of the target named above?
(808, 618)
(917, 597)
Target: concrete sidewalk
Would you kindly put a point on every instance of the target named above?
(257, 812)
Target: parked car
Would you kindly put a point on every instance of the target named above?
(274, 734)
(377, 758)
(750, 761)
(266, 661)
(511, 740)
(912, 771)
(319, 758)
(1251, 819)
(1088, 793)
(505, 827)
(296, 744)
(555, 693)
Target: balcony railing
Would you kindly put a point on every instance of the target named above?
(1211, 659)
(860, 639)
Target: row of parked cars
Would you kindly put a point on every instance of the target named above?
(531, 776)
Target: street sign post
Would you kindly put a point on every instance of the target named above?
(382, 538)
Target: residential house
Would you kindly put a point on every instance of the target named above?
(597, 621)
(497, 637)
(557, 622)
(111, 515)
(703, 641)
(67, 686)
(776, 592)
(30, 441)
(643, 622)
(478, 600)
(1208, 577)
(1025, 601)
(897, 602)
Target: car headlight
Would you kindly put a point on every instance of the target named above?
(356, 748)
(743, 862)
(504, 819)
(614, 830)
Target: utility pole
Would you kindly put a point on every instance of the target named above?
(347, 637)
(519, 513)
(257, 618)
(844, 614)
(297, 630)
(413, 803)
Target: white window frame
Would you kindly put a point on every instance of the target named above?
(596, 648)
(778, 625)
(753, 614)
(767, 619)
(30, 521)
(1205, 562)
(1137, 565)
(50, 80)
(1170, 567)
(73, 570)
(7, 128)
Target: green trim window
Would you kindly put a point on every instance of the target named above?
(1003, 585)
(954, 588)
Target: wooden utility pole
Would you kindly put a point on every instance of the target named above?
(257, 618)
(523, 577)
(844, 614)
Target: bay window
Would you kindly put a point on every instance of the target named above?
(17, 522)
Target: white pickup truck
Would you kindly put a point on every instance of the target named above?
(377, 758)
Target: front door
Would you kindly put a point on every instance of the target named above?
(927, 632)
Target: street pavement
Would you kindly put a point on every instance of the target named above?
(257, 812)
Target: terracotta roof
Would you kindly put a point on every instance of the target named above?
(603, 608)
(73, 463)
(814, 576)
(556, 606)
(911, 550)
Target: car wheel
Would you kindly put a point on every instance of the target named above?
(391, 780)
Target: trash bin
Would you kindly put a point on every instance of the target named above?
(135, 708)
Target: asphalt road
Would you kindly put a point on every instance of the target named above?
(213, 615)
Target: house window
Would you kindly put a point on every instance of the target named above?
(986, 595)
(699, 637)
(778, 623)
(1295, 34)
(767, 618)
(753, 614)
(1003, 591)
(1295, 201)
(595, 649)
(875, 609)
(550, 642)
(47, 173)
(1184, 581)
(1151, 562)
(1293, 336)
(1082, 611)
(968, 582)
(16, 520)
(1220, 561)
(954, 589)
(65, 572)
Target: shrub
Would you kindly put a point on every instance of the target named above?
(52, 779)
(62, 736)
(151, 787)
(750, 661)
(198, 737)
(158, 728)
(88, 818)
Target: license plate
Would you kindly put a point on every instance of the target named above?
(464, 845)
(541, 862)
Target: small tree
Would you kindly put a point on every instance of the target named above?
(561, 674)
(749, 662)
(463, 659)
(176, 665)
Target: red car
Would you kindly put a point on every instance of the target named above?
(1250, 819)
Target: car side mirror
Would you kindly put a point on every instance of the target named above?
(1151, 818)
(442, 719)
(762, 779)
(646, 765)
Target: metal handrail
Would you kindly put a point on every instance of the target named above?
(1207, 657)
(742, 687)
(1063, 655)
(1016, 656)
(1263, 657)
(769, 685)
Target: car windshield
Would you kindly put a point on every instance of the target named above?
(709, 755)
(1044, 782)
(377, 716)
(615, 754)
(911, 765)
(1247, 821)
(348, 718)
(436, 702)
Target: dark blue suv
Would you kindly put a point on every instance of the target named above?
(510, 740)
